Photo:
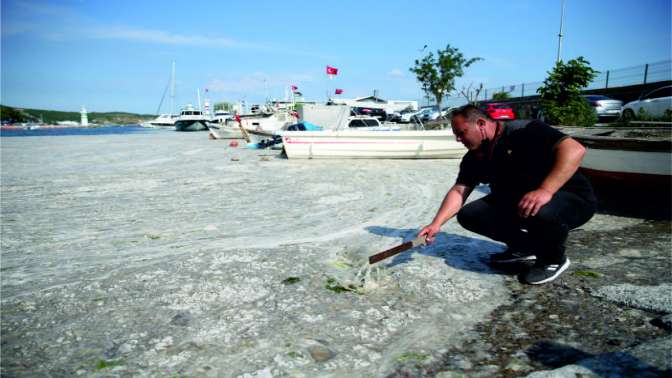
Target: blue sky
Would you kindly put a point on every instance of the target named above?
(116, 55)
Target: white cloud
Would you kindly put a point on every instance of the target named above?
(396, 73)
(166, 38)
(258, 83)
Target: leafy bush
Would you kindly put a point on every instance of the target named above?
(501, 96)
(560, 94)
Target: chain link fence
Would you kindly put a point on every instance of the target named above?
(642, 74)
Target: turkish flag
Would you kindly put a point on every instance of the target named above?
(332, 70)
(339, 91)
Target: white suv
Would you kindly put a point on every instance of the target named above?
(653, 104)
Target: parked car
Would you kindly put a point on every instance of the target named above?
(499, 111)
(393, 117)
(429, 114)
(604, 106)
(407, 115)
(654, 104)
(373, 112)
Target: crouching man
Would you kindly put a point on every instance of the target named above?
(536, 193)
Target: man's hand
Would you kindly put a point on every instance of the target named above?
(531, 202)
(429, 232)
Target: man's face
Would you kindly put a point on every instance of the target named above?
(467, 133)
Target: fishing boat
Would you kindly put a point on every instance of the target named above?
(372, 144)
(227, 130)
(191, 119)
(638, 155)
(632, 166)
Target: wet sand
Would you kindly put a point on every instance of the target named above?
(171, 254)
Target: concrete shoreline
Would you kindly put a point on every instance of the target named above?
(167, 253)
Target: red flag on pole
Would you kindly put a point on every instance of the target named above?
(332, 70)
(294, 88)
(339, 91)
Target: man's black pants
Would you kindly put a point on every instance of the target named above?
(543, 235)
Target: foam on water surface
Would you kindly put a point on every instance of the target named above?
(180, 267)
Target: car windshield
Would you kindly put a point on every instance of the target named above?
(502, 106)
(596, 98)
(661, 92)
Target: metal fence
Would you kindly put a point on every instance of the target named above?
(642, 74)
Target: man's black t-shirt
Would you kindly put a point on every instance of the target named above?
(522, 157)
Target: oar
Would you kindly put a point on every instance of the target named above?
(420, 240)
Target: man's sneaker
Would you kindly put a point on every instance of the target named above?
(542, 273)
(512, 257)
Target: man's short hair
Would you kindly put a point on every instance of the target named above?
(470, 113)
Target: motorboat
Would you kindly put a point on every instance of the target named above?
(163, 120)
(191, 119)
(371, 141)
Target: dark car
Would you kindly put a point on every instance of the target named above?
(372, 112)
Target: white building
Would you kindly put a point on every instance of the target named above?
(376, 102)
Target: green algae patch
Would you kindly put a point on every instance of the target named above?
(587, 273)
(291, 280)
(342, 264)
(103, 364)
(412, 357)
(335, 286)
(293, 354)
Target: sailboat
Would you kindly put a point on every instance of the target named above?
(166, 120)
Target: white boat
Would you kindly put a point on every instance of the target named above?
(641, 156)
(372, 144)
(191, 119)
(267, 122)
(165, 120)
(226, 130)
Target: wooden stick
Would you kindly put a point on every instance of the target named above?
(420, 240)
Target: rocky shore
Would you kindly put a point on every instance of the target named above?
(609, 315)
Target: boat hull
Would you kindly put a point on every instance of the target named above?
(190, 126)
(329, 144)
(220, 131)
(631, 170)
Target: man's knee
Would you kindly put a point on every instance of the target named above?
(469, 218)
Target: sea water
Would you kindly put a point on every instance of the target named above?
(162, 253)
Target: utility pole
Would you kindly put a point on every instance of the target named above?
(562, 14)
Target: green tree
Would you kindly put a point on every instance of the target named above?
(437, 73)
(560, 95)
(501, 96)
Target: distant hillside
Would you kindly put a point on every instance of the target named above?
(11, 114)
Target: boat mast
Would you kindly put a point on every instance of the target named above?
(172, 90)
(198, 95)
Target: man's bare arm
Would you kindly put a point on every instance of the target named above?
(452, 203)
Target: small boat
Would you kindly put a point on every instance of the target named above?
(631, 167)
(227, 130)
(163, 120)
(191, 119)
(372, 144)
(641, 155)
